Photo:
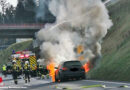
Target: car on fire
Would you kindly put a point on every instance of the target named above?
(69, 70)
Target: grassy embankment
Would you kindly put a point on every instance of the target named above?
(115, 63)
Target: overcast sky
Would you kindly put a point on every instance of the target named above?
(13, 2)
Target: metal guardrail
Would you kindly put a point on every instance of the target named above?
(3, 46)
(21, 26)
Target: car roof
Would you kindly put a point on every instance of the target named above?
(69, 61)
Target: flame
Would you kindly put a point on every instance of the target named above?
(80, 49)
(51, 68)
(87, 66)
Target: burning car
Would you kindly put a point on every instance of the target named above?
(69, 70)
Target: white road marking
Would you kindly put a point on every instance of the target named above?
(107, 82)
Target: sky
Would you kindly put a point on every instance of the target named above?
(12, 2)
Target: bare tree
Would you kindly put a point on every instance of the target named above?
(4, 4)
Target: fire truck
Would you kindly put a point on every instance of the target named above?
(21, 57)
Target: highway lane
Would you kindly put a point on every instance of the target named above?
(78, 85)
(46, 84)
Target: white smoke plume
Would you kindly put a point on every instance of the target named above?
(79, 22)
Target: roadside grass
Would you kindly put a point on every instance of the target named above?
(115, 63)
(5, 54)
(115, 66)
(92, 86)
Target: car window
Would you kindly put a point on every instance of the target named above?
(67, 64)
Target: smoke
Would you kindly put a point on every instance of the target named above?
(79, 22)
(41, 8)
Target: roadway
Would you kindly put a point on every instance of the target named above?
(46, 84)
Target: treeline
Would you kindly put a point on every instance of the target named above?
(24, 12)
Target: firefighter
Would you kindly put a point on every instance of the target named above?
(45, 71)
(4, 70)
(27, 72)
(38, 67)
(41, 71)
(15, 71)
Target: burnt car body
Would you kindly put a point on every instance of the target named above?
(70, 70)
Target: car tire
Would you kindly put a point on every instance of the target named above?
(84, 77)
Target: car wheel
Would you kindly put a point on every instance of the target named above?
(84, 77)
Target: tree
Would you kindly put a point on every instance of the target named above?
(1, 18)
(25, 12)
(9, 14)
(19, 12)
(3, 4)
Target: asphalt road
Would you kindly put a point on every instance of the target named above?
(46, 84)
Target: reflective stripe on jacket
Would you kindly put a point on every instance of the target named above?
(4, 68)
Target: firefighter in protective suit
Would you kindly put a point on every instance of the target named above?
(41, 71)
(27, 72)
(15, 71)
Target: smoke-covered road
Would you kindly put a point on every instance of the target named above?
(38, 84)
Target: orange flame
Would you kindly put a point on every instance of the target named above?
(80, 49)
(51, 68)
(87, 66)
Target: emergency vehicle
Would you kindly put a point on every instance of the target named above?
(21, 57)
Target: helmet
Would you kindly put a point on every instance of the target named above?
(14, 61)
(26, 62)
(28, 65)
(39, 60)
